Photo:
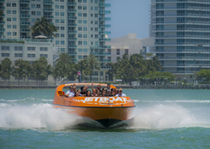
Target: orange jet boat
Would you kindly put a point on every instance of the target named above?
(107, 110)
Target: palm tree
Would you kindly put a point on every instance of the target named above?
(43, 27)
(93, 64)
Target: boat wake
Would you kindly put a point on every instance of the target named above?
(36, 116)
(45, 116)
(162, 116)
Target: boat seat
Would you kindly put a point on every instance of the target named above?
(61, 93)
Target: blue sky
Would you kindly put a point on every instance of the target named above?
(129, 16)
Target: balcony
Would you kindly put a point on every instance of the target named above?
(48, 2)
(72, 4)
(25, 23)
(2, 29)
(24, 9)
(2, 22)
(104, 19)
(72, 53)
(25, 30)
(24, 1)
(72, 25)
(101, 53)
(105, 5)
(72, 32)
(104, 12)
(105, 39)
(72, 11)
(1, 7)
(24, 16)
(72, 39)
(48, 10)
(72, 46)
(72, 18)
(49, 17)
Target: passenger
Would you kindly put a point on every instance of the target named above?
(98, 92)
(99, 88)
(103, 93)
(108, 87)
(88, 93)
(120, 94)
(114, 92)
(94, 92)
(108, 92)
(77, 94)
(70, 92)
(74, 89)
(84, 91)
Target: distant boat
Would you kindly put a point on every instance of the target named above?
(107, 110)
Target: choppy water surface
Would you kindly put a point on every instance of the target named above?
(161, 119)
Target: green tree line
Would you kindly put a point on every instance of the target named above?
(128, 68)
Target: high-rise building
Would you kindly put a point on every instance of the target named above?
(80, 24)
(181, 30)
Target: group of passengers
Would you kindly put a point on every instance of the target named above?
(96, 92)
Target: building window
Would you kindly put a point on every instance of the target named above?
(80, 28)
(8, 11)
(84, 7)
(43, 48)
(84, 21)
(8, 26)
(79, 42)
(62, 35)
(33, 13)
(79, 7)
(56, 13)
(13, 4)
(62, 20)
(85, 36)
(84, 14)
(80, 57)
(96, 36)
(80, 50)
(118, 51)
(31, 48)
(5, 55)
(56, 6)
(79, 35)
(38, 6)
(62, 28)
(84, 28)
(8, 33)
(14, 33)
(84, 42)
(14, 12)
(14, 19)
(62, 13)
(109, 50)
(31, 55)
(38, 13)
(62, 7)
(8, 19)
(56, 20)
(8, 4)
(32, 5)
(4, 47)
(62, 42)
(43, 55)
(126, 51)
(18, 48)
(18, 55)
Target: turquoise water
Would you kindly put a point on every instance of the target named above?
(161, 119)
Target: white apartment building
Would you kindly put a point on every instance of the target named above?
(128, 45)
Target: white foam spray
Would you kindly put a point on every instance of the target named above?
(36, 116)
(162, 116)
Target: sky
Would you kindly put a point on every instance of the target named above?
(129, 16)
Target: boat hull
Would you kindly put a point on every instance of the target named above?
(106, 116)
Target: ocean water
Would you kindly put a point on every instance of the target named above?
(161, 119)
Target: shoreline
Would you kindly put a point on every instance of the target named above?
(118, 86)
